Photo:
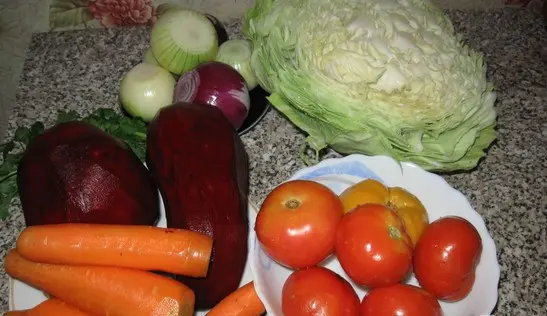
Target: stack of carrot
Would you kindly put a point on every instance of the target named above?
(94, 269)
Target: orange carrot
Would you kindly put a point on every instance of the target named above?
(176, 251)
(243, 302)
(50, 307)
(105, 290)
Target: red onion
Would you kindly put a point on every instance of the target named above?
(216, 84)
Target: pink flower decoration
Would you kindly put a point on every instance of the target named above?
(122, 12)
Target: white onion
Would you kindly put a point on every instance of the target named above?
(182, 39)
(237, 53)
(145, 89)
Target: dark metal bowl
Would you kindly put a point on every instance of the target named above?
(259, 107)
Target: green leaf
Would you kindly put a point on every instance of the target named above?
(5, 202)
(9, 165)
(21, 134)
(130, 130)
(63, 116)
(64, 13)
(8, 178)
(6, 148)
(8, 191)
(35, 130)
(25, 135)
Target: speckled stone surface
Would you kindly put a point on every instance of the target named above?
(80, 71)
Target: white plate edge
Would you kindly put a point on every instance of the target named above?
(380, 162)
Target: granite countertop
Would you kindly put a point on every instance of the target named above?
(80, 71)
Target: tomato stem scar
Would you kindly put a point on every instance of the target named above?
(394, 232)
(292, 204)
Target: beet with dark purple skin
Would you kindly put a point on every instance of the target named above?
(201, 168)
(75, 172)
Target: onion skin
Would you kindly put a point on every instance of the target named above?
(237, 53)
(219, 85)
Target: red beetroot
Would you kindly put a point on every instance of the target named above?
(75, 172)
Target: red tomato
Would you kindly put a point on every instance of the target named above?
(400, 300)
(446, 257)
(297, 223)
(318, 291)
(373, 247)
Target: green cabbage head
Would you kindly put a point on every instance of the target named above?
(377, 77)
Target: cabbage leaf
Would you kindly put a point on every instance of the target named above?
(377, 77)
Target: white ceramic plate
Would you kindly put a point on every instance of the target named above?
(438, 197)
(23, 296)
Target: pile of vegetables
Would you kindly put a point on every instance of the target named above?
(368, 77)
(379, 235)
(210, 69)
(91, 206)
(83, 185)
(190, 59)
(375, 77)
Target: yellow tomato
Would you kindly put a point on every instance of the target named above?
(368, 191)
(405, 204)
(411, 211)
